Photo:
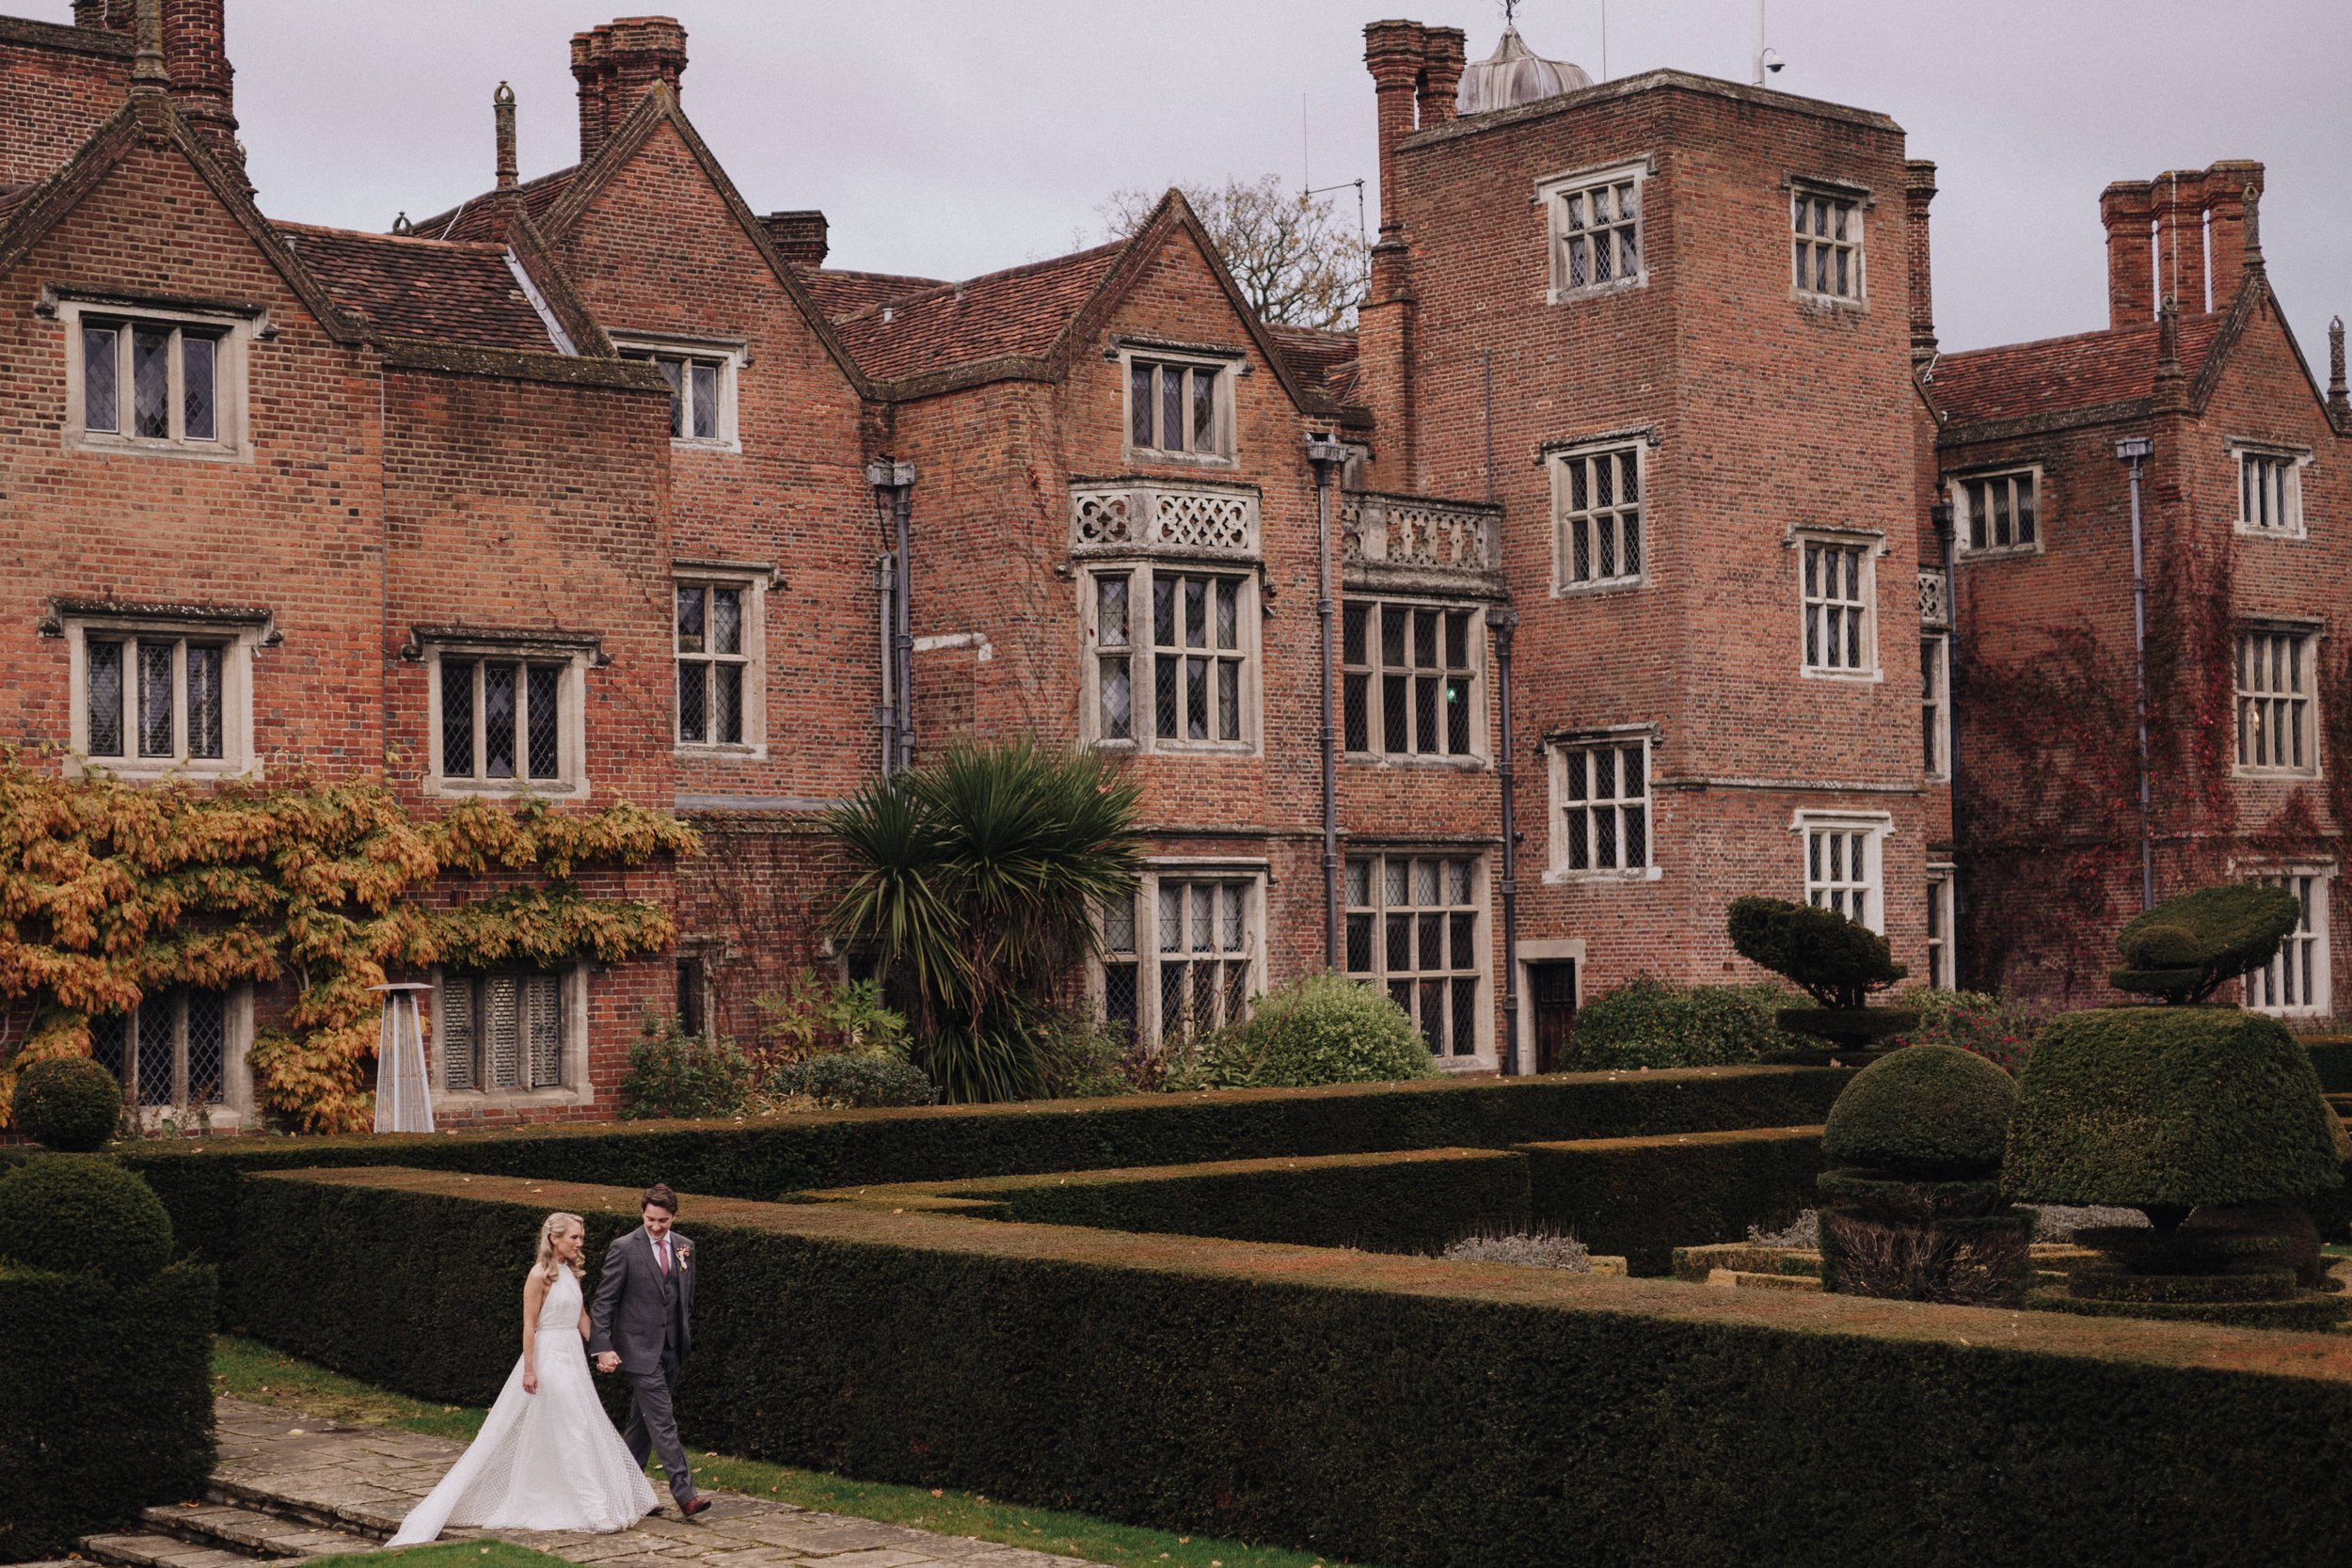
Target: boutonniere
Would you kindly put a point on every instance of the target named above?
(685, 1256)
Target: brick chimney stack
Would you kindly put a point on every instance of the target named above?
(1396, 54)
(2127, 209)
(2180, 209)
(113, 16)
(1918, 192)
(196, 57)
(1445, 52)
(502, 115)
(617, 64)
(801, 238)
(2230, 186)
(1393, 52)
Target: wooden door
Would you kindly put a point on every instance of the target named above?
(1551, 988)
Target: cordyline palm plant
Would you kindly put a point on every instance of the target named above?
(977, 878)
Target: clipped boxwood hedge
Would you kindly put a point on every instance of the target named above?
(2332, 1058)
(1407, 1411)
(106, 1406)
(1415, 1200)
(197, 1180)
(1645, 1196)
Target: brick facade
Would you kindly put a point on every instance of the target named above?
(451, 438)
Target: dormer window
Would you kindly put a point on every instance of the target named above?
(702, 379)
(1180, 408)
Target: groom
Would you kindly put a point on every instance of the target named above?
(643, 1325)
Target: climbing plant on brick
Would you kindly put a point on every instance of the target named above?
(110, 893)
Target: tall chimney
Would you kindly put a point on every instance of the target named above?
(1442, 57)
(503, 114)
(196, 57)
(615, 64)
(1392, 53)
(1918, 192)
(2180, 204)
(2126, 209)
(2227, 186)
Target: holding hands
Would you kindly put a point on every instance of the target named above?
(610, 1361)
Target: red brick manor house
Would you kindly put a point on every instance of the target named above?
(1656, 552)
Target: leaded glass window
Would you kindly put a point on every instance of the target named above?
(151, 381)
(1415, 926)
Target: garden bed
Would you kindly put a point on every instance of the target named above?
(1387, 1408)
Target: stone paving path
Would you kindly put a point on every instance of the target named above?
(365, 1478)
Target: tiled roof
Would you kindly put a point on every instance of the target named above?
(447, 291)
(2056, 375)
(470, 219)
(1021, 312)
(1325, 361)
(841, 294)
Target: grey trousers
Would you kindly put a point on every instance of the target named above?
(653, 1427)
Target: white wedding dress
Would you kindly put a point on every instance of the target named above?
(546, 1461)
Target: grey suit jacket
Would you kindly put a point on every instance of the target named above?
(637, 1311)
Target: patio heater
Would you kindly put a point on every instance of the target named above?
(404, 1100)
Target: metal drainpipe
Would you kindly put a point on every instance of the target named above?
(1327, 456)
(2135, 451)
(1504, 623)
(1947, 547)
(894, 487)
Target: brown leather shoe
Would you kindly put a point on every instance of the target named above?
(692, 1506)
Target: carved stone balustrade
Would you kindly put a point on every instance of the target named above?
(1153, 516)
(1936, 602)
(1418, 544)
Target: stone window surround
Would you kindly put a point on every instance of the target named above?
(1229, 364)
(1935, 696)
(2310, 633)
(1557, 871)
(1381, 851)
(1551, 192)
(1252, 870)
(1137, 569)
(754, 579)
(2320, 1001)
(1956, 491)
(1943, 951)
(1873, 545)
(1798, 186)
(238, 324)
(1555, 457)
(236, 1109)
(576, 1089)
(1479, 757)
(732, 354)
(574, 652)
(2297, 457)
(1875, 826)
(240, 630)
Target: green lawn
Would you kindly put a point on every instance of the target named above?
(250, 1370)
(449, 1554)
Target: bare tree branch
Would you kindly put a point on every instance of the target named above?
(1296, 259)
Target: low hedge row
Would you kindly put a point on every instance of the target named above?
(105, 1404)
(1645, 1196)
(1400, 1410)
(2332, 1055)
(1417, 1200)
(197, 1180)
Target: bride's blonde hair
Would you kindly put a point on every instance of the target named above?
(547, 1262)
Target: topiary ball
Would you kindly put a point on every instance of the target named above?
(1929, 1112)
(78, 1214)
(71, 1105)
(2168, 1108)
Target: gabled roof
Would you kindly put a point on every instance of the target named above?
(2085, 370)
(446, 291)
(1020, 312)
(1323, 360)
(147, 117)
(554, 203)
(841, 293)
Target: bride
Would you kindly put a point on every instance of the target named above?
(547, 1458)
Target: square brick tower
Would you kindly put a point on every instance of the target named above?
(1666, 322)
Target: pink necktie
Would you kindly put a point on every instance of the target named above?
(666, 1255)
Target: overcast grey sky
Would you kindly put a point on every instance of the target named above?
(950, 137)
